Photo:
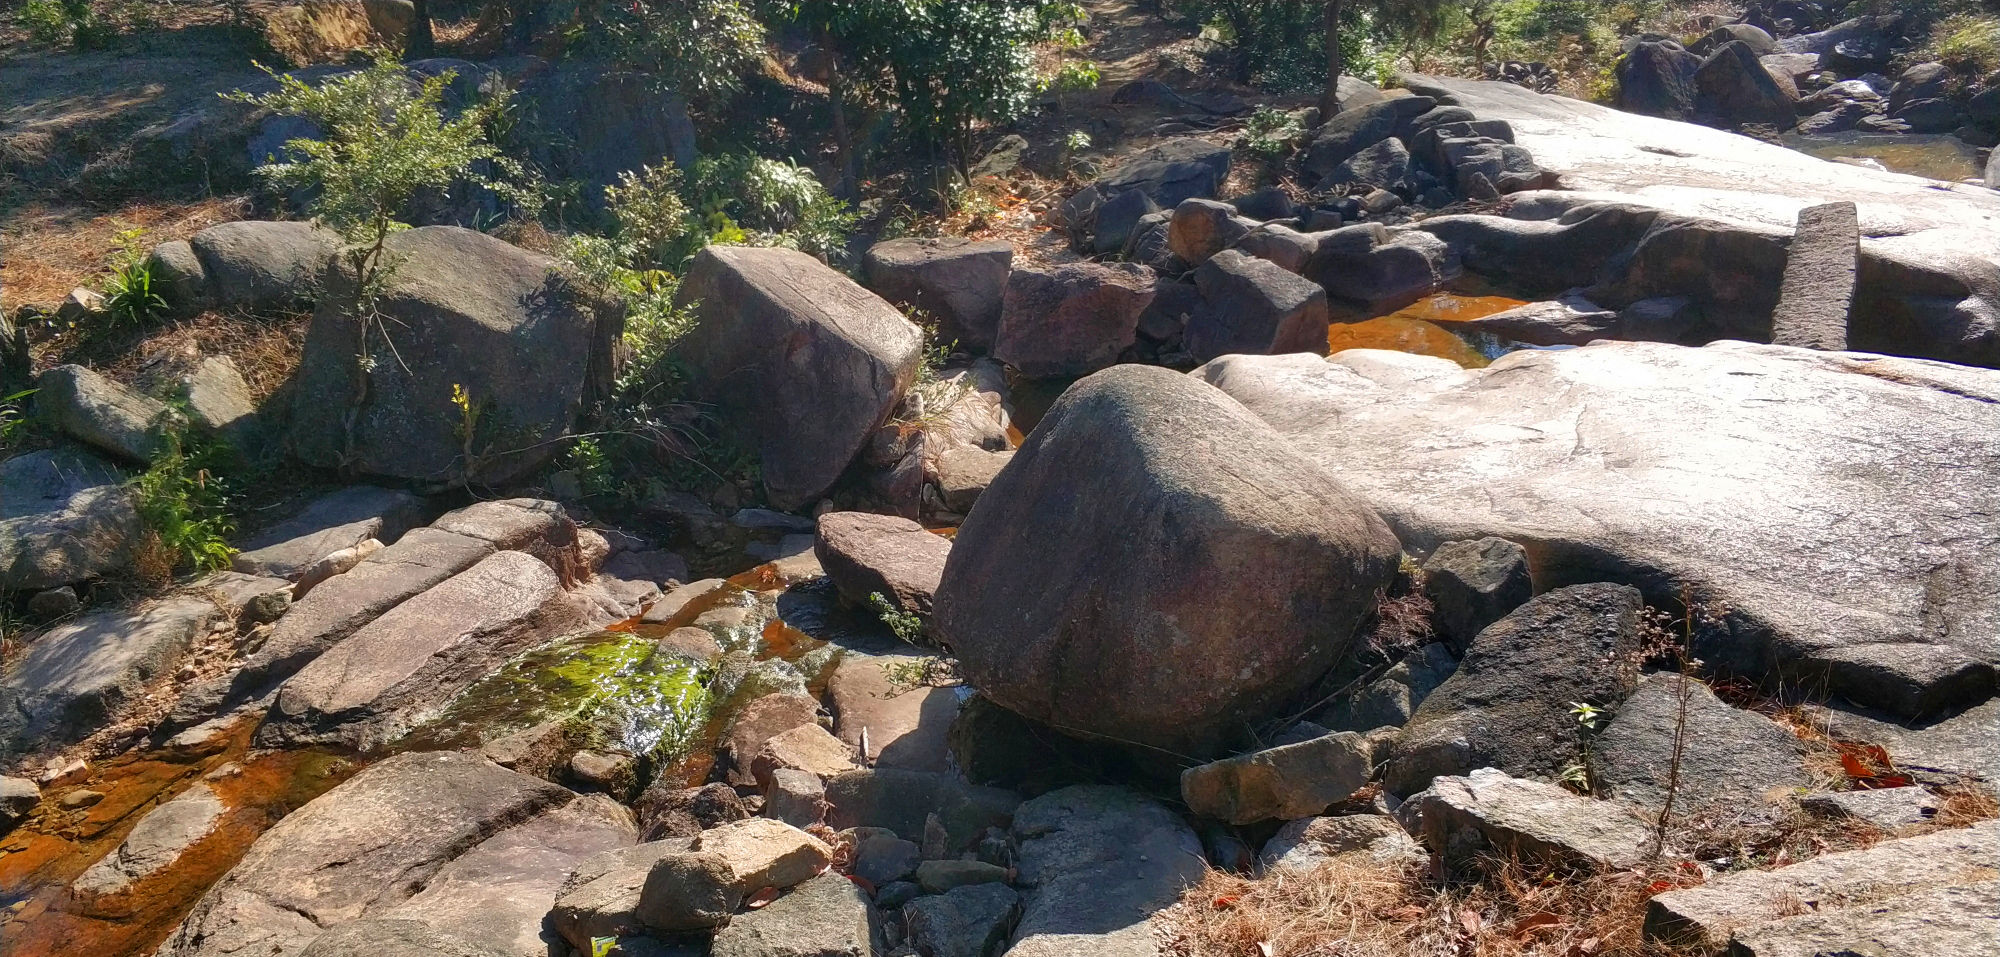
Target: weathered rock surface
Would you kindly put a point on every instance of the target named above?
(1819, 279)
(259, 266)
(1717, 470)
(159, 839)
(1095, 863)
(18, 797)
(957, 280)
(67, 517)
(758, 722)
(883, 555)
(827, 916)
(1391, 699)
(357, 851)
(1282, 783)
(1309, 841)
(901, 726)
(1574, 321)
(1885, 808)
(1163, 175)
(1071, 320)
(178, 275)
(1458, 817)
(1373, 270)
(808, 361)
(965, 474)
(969, 921)
(600, 895)
(1200, 228)
(374, 684)
(1919, 895)
(1473, 584)
(1358, 127)
(1657, 79)
(334, 521)
(902, 800)
(1730, 756)
(1083, 607)
(1733, 88)
(1927, 281)
(1959, 744)
(101, 413)
(1250, 305)
(464, 314)
(808, 747)
(75, 677)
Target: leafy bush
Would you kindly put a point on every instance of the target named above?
(1271, 133)
(183, 508)
(57, 23)
(774, 203)
(1968, 43)
(653, 220)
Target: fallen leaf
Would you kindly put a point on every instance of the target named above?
(1226, 901)
(1529, 924)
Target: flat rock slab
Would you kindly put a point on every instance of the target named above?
(496, 895)
(102, 413)
(1096, 862)
(904, 801)
(868, 555)
(357, 851)
(1819, 279)
(67, 517)
(1310, 841)
(902, 726)
(377, 682)
(75, 677)
(828, 916)
(1461, 816)
(1944, 881)
(159, 839)
(1886, 808)
(1282, 783)
(334, 521)
(1961, 744)
(1836, 505)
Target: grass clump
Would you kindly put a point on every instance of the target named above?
(183, 506)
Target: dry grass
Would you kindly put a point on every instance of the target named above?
(318, 31)
(1354, 906)
(51, 249)
(1963, 805)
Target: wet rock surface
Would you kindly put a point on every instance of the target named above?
(1845, 602)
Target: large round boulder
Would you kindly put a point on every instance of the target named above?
(1157, 566)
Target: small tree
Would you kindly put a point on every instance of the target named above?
(1413, 18)
(383, 140)
(693, 50)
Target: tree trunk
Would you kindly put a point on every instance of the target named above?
(421, 43)
(843, 138)
(680, 132)
(1329, 100)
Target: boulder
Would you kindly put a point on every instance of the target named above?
(667, 809)
(808, 747)
(1458, 817)
(1819, 279)
(969, 921)
(1071, 320)
(880, 857)
(1121, 220)
(599, 897)
(219, 402)
(1084, 608)
(476, 336)
(1657, 78)
(334, 521)
(1250, 305)
(358, 851)
(1200, 228)
(1096, 862)
(1733, 88)
(1918, 895)
(1282, 783)
(1265, 205)
(1472, 584)
(77, 677)
(939, 876)
(807, 361)
(1759, 42)
(964, 474)
(868, 555)
(1678, 475)
(18, 798)
(1508, 704)
(1308, 842)
(1288, 248)
(99, 412)
(67, 517)
(761, 853)
(1390, 700)
(956, 280)
(372, 686)
(1165, 174)
(795, 797)
(1385, 165)
(154, 844)
(178, 276)
(758, 722)
(1372, 270)
(262, 266)
(1731, 757)
(827, 916)
(1357, 128)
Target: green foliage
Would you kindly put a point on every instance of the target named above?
(385, 140)
(1588, 716)
(905, 625)
(1271, 133)
(1969, 44)
(697, 49)
(1073, 76)
(58, 23)
(751, 200)
(654, 224)
(13, 417)
(183, 502)
(130, 296)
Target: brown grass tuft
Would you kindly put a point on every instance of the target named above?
(1352, 906)
(53, 248)
(1965, 804)
(318, 31)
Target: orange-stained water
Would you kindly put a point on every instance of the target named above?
(55, 846)
(1423, 328)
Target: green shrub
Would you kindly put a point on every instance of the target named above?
(130, 297)
(57, 23)
(1968, 43)
(1271, 133)
(752, 200)
(183, 508)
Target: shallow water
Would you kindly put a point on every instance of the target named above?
(1425, 328)
(1936, 156)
